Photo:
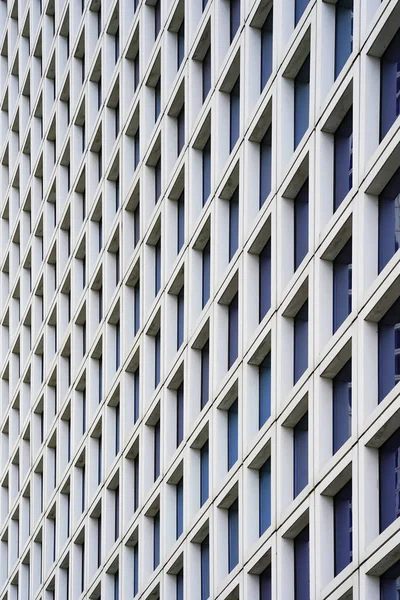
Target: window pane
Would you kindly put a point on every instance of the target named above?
(301, 101)
(343, 33)
(343, 159)
(233, 535)
(301, 225)
(265, 496)
(233, 433)
(341, 397)
(233, 322)
(264, 392)
(300, 455)
(300, 342)
(266, 49)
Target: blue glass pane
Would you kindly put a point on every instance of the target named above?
(266, 584)
(181, 222)
(300, 6)
(135, 569)
(233, 535)
(157, 359)
(233, 333)
(234, 223)
(234, 17)
(180, 317)
(389, 481)
(181, 130)
(342, 285)
(266, 49)
(205, 377)
(264, 382)
(300, 455)
(157, 261)
(233, 433)
(205, 274)
(343, 159)
(343, 33)
(388, 374)
(341, 406)
(389, 221)
(156, 450)
(302, 565)
(206, 170)
(206, 73)
(179, 508)
(204, 485)
(205, 568)
(234, 114)
(181, 44)
(300, 342)
(156, 540)
(343, 528)
(265, 166)
(301, 101)
(301, 225)
(179, 414)
(265, 496)
(157, 99)
(390, 85)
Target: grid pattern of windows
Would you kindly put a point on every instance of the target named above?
(200, 300)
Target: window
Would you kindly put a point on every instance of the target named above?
(264, 390)
(233, 535)
(389, 350)
(265, 166)
(390, 582)
(179, 415)
(117, 346)
(179, 585)
(300, 342)
(300, 455)
(233, 223)
(264, 497)
(342, 510)
(206, 170)
(389, 481)
(234, 118)
(301, 101)
(157, 180)
(180, 317)
(266, 584)
(100, 459)
(136, 483)
(342, 284)
(180, 123)
(302, 565)
(157, 18)
(341, 400)
(157, 358)
(156, 540)
(136, 72)
(99, 541)
(116, 586)
(205, 375)
(116, 45)
(136, 395)
(343, 33)
(181, 221)
(204, 481)
(157, 99)
(117, 428)
(233, 434)
(233, 333)
(135, 569)
(136, 301)
(157, 450)
(205, 274)
(136, 225)
(390, 85)
(343, 159)
(179, 508)
(116, 513)
(180, 44)
(234, 18)
(206, 73)
(389, 221)
(205, 568)
(136, 143)
(264, 266)
(157, 261)
(301, 225)
(266, 50)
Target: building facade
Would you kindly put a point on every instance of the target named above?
(200, 299)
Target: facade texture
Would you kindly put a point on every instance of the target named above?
(200, 299)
